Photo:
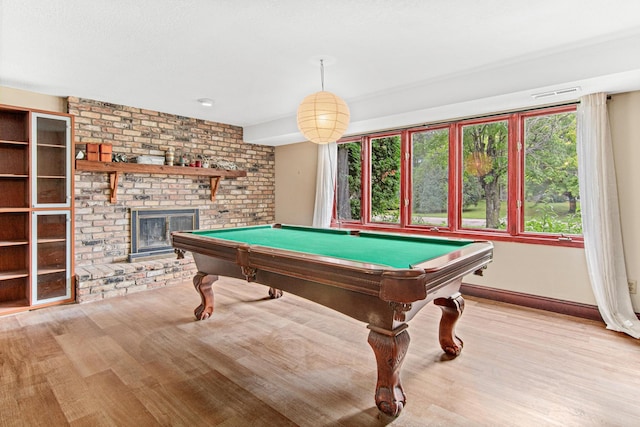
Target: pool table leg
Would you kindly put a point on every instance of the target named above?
(203, 283)
(389, 347)
(452, 309)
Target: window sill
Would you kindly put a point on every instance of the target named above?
(496, 236)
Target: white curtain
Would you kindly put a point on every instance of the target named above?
(601, 217)
(325, 184)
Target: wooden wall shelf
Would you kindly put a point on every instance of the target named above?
(115, 168)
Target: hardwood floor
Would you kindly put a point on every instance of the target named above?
(142, 360)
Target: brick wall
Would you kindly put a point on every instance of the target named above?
(102, 229)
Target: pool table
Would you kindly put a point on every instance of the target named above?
(381, 279)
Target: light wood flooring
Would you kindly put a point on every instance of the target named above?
(142, 360)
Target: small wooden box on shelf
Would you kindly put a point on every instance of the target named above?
(99, 152)
(93, 152)
(105, 152)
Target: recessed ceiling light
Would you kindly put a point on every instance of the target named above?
(206, 102)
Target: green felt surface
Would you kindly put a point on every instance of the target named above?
(376, 248)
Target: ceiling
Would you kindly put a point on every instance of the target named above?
(395, 62)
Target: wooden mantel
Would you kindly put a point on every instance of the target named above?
(115, 168)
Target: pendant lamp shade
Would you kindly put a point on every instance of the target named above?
(323, 117)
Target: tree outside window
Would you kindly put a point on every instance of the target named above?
(484, 186)
(551, 199)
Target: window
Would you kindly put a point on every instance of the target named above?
(551, 202)
(510, 177)
(385, 179)
(430, 177)
(484, 175)
(349, 182)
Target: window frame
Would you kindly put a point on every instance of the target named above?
(514, 231)
(408, 202)
(368, 150)
(365, 160)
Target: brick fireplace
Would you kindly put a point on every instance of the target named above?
(103, 229)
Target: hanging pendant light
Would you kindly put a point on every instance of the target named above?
(323, 117)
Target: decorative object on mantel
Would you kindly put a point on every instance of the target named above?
(114, 170)
(223, 164)
(205, 160)
(119, 157)
(169, 156)
(93, 152)
(150, 160)
(105, 152)
(322, 116)
(99, 152)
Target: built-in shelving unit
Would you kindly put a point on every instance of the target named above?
(114, 169)
(35, 208)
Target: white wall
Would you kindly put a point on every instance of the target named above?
(548, 271)
(554, 272)
(23, 98)
(624, 115)
(296, 183)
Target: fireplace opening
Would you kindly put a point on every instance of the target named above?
(151, 230)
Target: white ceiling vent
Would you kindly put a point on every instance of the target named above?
(557, 92)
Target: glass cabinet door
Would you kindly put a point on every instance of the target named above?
(51, 265)
(51, 160)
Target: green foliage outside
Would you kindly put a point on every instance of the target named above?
(385, 179)
(431, 171)
(552, 218)
(543, 218)
(551, 161)
(349, 193)
(484, 151)
(551, 175)
(551, 202)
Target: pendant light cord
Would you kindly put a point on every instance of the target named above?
(322, 73)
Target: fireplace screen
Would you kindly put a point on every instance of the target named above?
(151, 229)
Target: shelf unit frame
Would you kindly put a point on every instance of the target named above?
(20, 208)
